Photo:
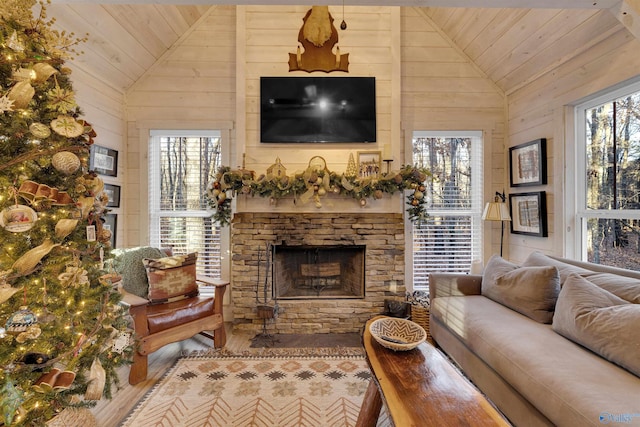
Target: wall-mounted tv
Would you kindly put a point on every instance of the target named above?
(317, 109)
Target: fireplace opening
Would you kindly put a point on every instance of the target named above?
(307, 272)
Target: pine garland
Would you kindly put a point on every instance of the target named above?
(314, 184)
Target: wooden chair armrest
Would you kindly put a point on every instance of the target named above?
(210, 281)
(131, 299)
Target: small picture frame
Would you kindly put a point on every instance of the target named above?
(529, 213)
(103, 160)
(111, 224)
(528, 163)
(113, 192)
(369, 164)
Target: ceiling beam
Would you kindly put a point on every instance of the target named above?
(528, 4)
(628, 13)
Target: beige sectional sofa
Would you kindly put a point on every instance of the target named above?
(550, 342)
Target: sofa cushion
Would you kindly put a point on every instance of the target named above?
(531, 291)
(165, 316)
(172, 278)
(538, 259)
(128, 264)
(626, 288)
(569, 384)
(600, 321)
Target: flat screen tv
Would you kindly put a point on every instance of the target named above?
(317, 109)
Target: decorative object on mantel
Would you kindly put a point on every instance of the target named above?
(312, 184)
(318, 36)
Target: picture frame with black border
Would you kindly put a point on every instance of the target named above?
(103, 160)
(528, 163)
(113, 192)
(369, 164)
(111, 224)
(529, 213)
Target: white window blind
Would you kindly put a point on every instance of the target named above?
(180, 166)
(449, 240)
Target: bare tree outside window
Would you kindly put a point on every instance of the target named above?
(181, 222)
(613, 181)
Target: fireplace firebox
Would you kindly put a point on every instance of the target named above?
(318, 272)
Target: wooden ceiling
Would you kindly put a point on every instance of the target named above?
(511, 46)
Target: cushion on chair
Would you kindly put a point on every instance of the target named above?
(128, 263)
(171, 278)
(164, 316)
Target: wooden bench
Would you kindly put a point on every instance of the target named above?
(421, 387)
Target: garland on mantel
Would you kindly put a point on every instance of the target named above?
(314, 183)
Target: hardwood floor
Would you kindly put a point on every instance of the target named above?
(110, 413)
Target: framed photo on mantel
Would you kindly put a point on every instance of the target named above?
(528, 163)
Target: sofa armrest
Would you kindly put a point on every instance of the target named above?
(454, 284)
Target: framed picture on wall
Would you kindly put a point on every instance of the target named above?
(369, 164)
(529, 213)
(111, 224)
(113, 192)
(103, 160)
(528, 163)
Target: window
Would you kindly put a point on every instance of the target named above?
(608, 178)
(180, 166)
(449, 240)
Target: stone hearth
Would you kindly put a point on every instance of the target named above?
(254, 234)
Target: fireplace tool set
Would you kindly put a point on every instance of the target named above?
(265, 310)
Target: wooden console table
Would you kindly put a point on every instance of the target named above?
(420, 387)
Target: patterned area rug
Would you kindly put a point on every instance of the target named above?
(258, 391)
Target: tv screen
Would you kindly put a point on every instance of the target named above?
(317, 109)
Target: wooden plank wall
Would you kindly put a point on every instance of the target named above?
(542, 109)
(271, 33)
(103, 107)
(443, 90)
(432, 87)
(192, 86)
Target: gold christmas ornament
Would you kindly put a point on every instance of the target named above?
(40, 130)
(67, 126)
(65, 162)
(21, 94)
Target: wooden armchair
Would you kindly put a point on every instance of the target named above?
(159, 323)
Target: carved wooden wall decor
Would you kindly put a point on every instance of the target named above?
(318, 36)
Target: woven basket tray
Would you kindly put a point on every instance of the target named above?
(420, 315)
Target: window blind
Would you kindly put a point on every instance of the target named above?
(180, 166)
(449, 240)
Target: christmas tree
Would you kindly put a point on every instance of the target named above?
(62, 330)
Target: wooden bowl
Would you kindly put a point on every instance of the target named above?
(397, 334)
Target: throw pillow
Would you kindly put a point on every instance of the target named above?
(600, 321)
(172, 278)
(128, 264)
(538, 259)
(531, 291)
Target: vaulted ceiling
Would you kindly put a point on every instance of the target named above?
(510, 45)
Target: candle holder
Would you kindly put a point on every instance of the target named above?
(388, 162)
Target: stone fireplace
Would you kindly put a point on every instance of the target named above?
(336, 269)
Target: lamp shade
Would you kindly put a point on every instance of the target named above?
(496, 211)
